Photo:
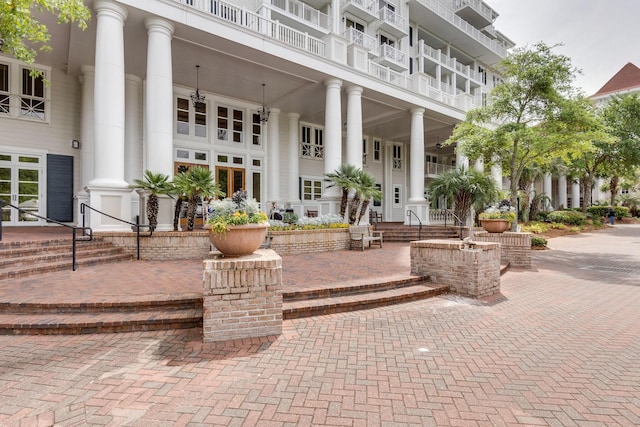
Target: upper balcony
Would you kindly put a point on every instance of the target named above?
(447, 25)
(367, 10)
(299, 15)
(392, 23)
(393, 58)
(428, 57)
(361, 39)
(475, 12)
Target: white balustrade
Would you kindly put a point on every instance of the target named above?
(361, 39)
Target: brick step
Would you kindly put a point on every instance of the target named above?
(59, 246)
(22, 244)
(11, 272)
(353, 302)
(159, 302)
(93, 323)
(44, 257)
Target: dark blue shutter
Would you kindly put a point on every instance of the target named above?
(60, 187)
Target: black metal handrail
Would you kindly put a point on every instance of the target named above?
(412, 213)
(137, 225)
(86, 231)
(456, 217)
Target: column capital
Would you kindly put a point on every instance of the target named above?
(294, 116)
(153, 23)
(107, 7)
(333, 83)
(417, 111)
(275, 111)
(354, 89)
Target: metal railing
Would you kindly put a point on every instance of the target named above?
(138, 226)
(410, 214)
(86, 231)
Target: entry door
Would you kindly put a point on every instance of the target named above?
(230, 180)
(21, 186)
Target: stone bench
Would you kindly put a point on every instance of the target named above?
(362, 236)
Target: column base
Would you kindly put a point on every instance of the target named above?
(112, 201)
(421, 211)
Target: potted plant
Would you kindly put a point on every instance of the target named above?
(497, 219)
(236, 225)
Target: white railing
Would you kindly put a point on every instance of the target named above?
(388, 75)
(393, 54)
(443, 59)
(256, 23)
(463, 25)
(476, 5)
(436, 168)
(392, 18)
(304, 12)
(361, 39)
(442, 216)
(368, 5)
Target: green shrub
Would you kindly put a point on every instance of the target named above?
(567, 217)
(603, 211)
(289, 218)
(557, 226)
(543, 216)
(535, 227)
(538, 242)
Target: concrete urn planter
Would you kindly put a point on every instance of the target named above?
(239, 239)
(495, 225)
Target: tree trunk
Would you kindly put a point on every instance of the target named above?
(585, 184)
(344, 202)
(363, 209)
(152, 211)
(353, 212)
(176, 213)
(613, 188)
(191, 213)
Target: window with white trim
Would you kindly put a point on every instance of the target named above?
(230, 124)
(191, 120)
(256, 130)
(311, 188)
(22, 93)
(312, 142)
(377, 147)
(397, 157)
(397, 196)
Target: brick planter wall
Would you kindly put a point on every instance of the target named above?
(309, 241)
(163, 245)
(242, 297)
(471, 270)
(515, 247)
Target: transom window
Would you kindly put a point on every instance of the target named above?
(312, 141)
(191, 120)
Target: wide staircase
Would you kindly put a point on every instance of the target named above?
(399, 232)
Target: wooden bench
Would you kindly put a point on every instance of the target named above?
(363, 235)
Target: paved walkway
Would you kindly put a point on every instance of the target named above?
(560, 348)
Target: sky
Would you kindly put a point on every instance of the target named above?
(600, 36)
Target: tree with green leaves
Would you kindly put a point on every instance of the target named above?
(532, 116)
(344, 177)
(196, 185)
(365, 191)
(21, 32)
(464, 189)
(156, 184)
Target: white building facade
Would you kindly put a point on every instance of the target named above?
(377, 84)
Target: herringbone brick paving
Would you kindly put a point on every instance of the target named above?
(560, 347)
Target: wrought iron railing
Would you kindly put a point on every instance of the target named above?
(411, 214)
(87, 233)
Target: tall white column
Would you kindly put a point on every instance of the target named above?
(562, 192)
(294, 158)
(417, 156)
(479, 165)
(462, 161)
(273, 151)
(354, 126)
(547, 189)
(575, 194)
(133, 143)
(332, 133)
(159, 97)
(87, 132)
(109, 96)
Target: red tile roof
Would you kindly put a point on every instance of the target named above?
(628, 77)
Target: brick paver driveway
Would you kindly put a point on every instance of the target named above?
(561, 348)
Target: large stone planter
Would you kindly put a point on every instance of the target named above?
(239, 239)
(495, 225)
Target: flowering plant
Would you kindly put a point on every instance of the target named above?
(502, 211)
(237, 210)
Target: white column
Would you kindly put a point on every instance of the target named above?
(159, 97)
(547, 189)
(133, 144)
(479, 165)
(354, 126)
(562, 192)
(462, 161)
(87, 133)
(109, 96)
(294, 158)
(496, 172)
(332, 134)
(416, 195)
(273, 153)
(575, 194)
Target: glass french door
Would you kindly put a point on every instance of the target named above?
(230, 180)
(21, 186)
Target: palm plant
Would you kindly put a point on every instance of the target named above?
(344, 177)
(156, 184)
(367, 190)
(464, 188)
(196, 184)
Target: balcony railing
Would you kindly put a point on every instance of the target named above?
(258, 24)
(436, 168)
(438, 56)
(361, 39)
(368, 5)
(448, 14)
(478, 6)
(393, 18)
(391, 53)
(304, 12)
(388, 75)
